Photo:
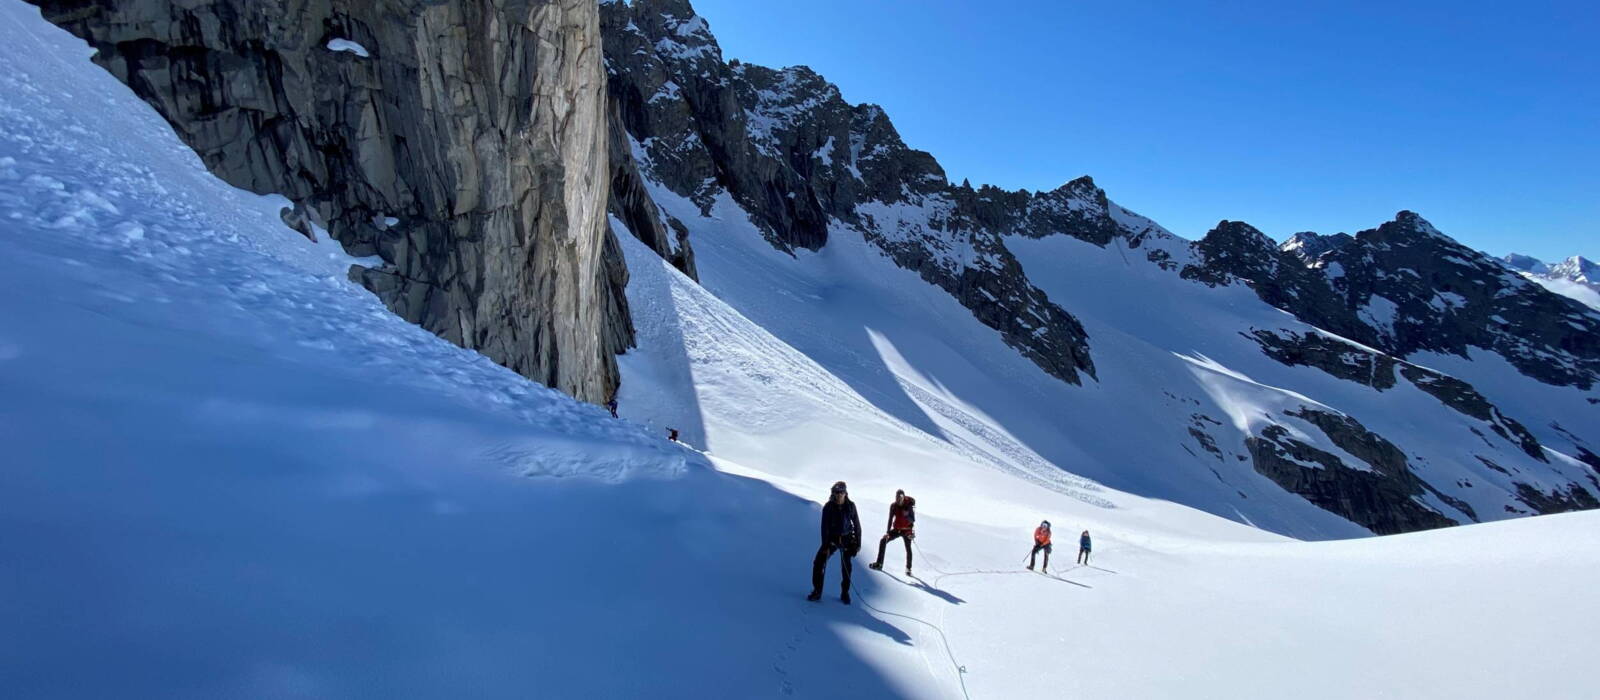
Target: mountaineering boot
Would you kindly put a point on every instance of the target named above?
(845, 597)
(875, 566)
(1030, 567)
(815, 596)
(908, 571)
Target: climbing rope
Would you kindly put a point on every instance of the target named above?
(961, 671)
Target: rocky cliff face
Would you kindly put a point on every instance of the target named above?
(1383, 499)
(463, 143)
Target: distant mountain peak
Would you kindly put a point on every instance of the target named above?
(1573, 269)
(1577, 269)
(1414, 222)
(1310, 245)
(1526, 263)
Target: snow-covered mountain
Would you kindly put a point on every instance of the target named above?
(231, 470)
(1576, 277)
(679, 142)
(1258, 382)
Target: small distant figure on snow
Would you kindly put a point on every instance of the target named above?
(612, 406)
(672, 434)
(841, 532)
(1041, 542)
(902, 520)
(1083, 548)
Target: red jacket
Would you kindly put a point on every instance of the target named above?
(901, 515)
(1041, 535)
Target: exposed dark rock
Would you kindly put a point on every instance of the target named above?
(1557, 501)
(1492, 465)
(1589, 458)
(479, 126)
(1405, 287)
(1463, 398)
(1454, 502)
(1331, 355)
(1236, 250)
(1197, 430)
(1383, 500)
(1445, 297)
(299, 220)
(1353, 363)
(1309, 246)
(631, 203)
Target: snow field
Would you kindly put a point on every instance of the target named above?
(229, 472)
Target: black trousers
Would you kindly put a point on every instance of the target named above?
(904, 536)
(820, 565)
(1035, 553)
(1083, 555)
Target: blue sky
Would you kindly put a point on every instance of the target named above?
(1308, 115)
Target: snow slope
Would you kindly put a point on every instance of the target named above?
(1174, 362)
(231, 473)
(1178, 604)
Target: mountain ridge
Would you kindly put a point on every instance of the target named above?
(807, 166)
(1286, 386)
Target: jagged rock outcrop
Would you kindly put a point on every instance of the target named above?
(1329, 354)
(463, 143)
(1405, 287)
(1237, 250)
(786, 147)
(1309, 245)
(1382, 499)
(631, 203)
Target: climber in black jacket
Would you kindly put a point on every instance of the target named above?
(841, 531)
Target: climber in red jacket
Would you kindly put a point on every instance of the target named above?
(902, 521)
(1041, 541)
